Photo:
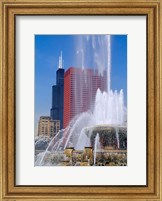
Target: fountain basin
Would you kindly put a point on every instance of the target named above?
(112, 137)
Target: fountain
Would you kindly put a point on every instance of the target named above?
(106, 121)
(96, 146)
(117, 137)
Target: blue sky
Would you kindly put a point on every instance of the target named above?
(47, 51)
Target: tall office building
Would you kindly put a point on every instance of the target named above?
(58, 94)
(80, 87)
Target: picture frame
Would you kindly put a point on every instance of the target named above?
(8, 188)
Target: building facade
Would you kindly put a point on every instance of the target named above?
(56, 112)
(48, 127)
(80, 87)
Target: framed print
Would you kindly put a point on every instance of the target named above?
(69, 135)
(81, 100)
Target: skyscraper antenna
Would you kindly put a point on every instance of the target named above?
(60, 61)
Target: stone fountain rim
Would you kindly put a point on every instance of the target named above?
(106, 126)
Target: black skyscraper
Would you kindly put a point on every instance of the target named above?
(58, 95)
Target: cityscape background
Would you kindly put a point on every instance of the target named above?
(47, 52)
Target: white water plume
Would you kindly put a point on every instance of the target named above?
(117, 137)
(109, 108)
(96, 147)
(94, 51)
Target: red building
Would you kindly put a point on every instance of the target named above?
(80, 88)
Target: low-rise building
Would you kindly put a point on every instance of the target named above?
(48, 127)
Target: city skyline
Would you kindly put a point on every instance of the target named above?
(47, 51)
